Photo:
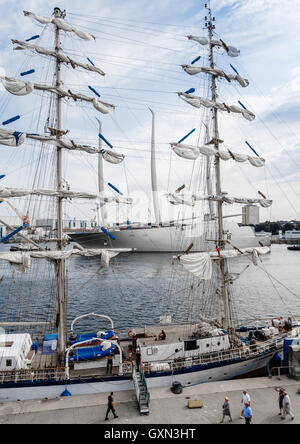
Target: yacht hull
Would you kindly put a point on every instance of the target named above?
(164, 239)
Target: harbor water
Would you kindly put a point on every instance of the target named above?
(139, 288)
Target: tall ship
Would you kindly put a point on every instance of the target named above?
(42, 354)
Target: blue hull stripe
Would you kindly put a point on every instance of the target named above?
(196, 368)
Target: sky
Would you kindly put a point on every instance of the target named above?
(140, 45)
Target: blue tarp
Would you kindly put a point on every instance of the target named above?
(89, 353)
(80, 338)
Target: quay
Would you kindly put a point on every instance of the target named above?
(165, 407)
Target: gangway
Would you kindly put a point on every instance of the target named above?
(141, 389)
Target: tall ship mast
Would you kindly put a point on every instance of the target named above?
(44, 354)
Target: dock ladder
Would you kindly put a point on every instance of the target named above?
(141, 389)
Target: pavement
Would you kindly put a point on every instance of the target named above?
(165, 407)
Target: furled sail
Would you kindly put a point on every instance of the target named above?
(61, 24)
(60, 56)
(231, 50)
(15, 139)
(192, 153)
(23, 88)
(200, 264)
(17, 87)
(197, 102)
(191, 199)
(21, 261)
(192, 70)
(11, 138)
(7, 193)
(112, 156)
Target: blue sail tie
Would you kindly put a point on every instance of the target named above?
(185, 137)
(91, 62)
(13, 119)
(247, 143)
(235, 70)
(195, 60)
(190, 91)
(34, 37)
(106, 141)
(26, 73)
(114, 188)
(94, 91)
(17, 136)
(243, 106)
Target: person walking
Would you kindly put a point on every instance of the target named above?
(245, 400)
(280, 399)
(226, 410)
(138, 360)
(110, 407)
(247, 413)
(109, 366)
(286, 404)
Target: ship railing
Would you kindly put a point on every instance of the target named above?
(221, 356)
(32, 375)
(277, 371)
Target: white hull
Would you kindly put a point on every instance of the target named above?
(218, 373)
(165, 239)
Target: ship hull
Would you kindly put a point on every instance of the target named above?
(219, 371)
(164, 239)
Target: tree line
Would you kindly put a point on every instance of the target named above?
(275, 227)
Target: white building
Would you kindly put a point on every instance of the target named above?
(250, 215)
(15, 351)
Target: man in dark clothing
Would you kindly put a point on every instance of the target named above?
(162, 336)
(110, 407)
(138, 360)
(109, 366)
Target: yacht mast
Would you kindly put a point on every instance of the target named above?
(60, 264)
(154, 173)
(221, 242)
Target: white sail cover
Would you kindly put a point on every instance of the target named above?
(61, 24)
(11, 138)
(15, 139)
(231, 50)
(17, 87)
(191, 152)
(21, 261)
(112, 156)
(191, 199)
(200, 264)
(7, 193)
(192, 70)
(197, 102)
